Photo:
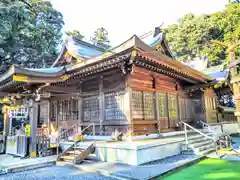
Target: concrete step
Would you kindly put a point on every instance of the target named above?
(188, 152)
(77, 152)
(208, 151)
(67, 158)
(197, 139)
(203, 148)
(202, 143)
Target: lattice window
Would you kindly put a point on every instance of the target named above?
(53, 112)
(148, 105)
(162, 104)
(43, 113)
(91, 108)
(114, 106)
(74, 109)
(137, 105)
(60, 110)
(172, 105)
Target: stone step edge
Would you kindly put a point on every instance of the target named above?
(21, 168)
(189, 163)
(101, 172)
(122, 177)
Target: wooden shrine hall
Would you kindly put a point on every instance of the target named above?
(135, 88)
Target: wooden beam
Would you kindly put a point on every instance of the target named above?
(206, 85)
(67, 90)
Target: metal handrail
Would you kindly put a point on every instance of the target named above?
(196, 130)
(210, 128)
(67, 130)
(93, 125)
(93, 133)
(75, 142)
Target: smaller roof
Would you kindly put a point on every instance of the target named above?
(27, 75)
(41, 72)
(82, 49)
(217, 72)
(219, 75)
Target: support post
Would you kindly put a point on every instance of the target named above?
(33, 125)
(128, 106)
(101, 105)
(156, 110)
(6, 119)
(48, 115)
(80, 111)
(5, 110)
(185, 132)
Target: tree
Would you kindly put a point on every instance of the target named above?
(30, 32)
(234, 1)
(195, 34)
(230, 28)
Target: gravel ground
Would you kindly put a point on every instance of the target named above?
(54, 173)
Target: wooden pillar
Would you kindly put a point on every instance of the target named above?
(101, 106)
(128, 106)
(80, 110)
(33, 125)
(48, 115)
(57, 115)
(5, 110)
(156, 110)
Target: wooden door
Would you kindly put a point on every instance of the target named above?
(198, 111)
(172, 110)
(162, 110)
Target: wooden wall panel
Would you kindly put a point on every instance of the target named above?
(91, 109)
(162, 110)
(114, 106)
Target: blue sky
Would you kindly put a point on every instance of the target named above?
(123, 18)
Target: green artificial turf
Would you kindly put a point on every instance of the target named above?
(208, 169)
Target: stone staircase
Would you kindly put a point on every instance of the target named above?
(199, 145)
(76, 154)
(202, 144)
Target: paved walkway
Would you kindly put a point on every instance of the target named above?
(9, 163)
(146, 171)
(54, 173)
